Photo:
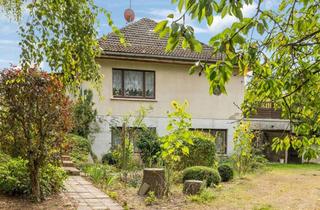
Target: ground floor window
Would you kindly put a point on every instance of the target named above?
(221, 138)
(133, 133)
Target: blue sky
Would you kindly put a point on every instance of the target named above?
(154, 9)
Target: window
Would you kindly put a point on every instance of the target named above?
(116, 136)
(221, 139)
(133, 83)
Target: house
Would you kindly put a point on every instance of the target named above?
(143, 74)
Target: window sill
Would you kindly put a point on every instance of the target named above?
(133, 99)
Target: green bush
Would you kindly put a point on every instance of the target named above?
(202, 152)
(14, 178)
(149, 146)
(209, 175)
(226, 172)
(52, 179)
(108, 159)
(78, 147)
(258, 162)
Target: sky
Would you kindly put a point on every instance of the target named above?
(154, 9)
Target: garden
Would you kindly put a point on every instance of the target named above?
(143, 170)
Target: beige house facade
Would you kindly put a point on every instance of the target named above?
(142, 74)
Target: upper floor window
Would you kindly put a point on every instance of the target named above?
(133, 83)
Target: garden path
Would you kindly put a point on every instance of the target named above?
(87, 196)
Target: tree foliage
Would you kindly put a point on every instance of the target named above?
(280, 46)
(84, 115)
(243, 150)
(176, 143)
(63, 34)
(34, 116)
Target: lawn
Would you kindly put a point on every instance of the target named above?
(279, 186)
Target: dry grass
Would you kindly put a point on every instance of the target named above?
(279, 187)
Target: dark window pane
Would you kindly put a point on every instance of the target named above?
(133, 83)
(221, 141)
(115, 137)
(117, 83)
(150, 84)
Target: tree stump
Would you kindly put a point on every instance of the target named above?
(192, 187)
(154, 180)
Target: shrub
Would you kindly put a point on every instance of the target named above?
(52, 179)
(258, 162)
(85, 115)
(35, 117)
(202, 152)
(149, 146)
(150, 199)
(78, 147)
(99, 173)
(108, 159)
(226, 172)
(13, 179)
(243, 148)
(209, 175)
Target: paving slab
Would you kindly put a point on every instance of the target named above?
(87, 196)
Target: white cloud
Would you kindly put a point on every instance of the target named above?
(161, 14)
(219, 24)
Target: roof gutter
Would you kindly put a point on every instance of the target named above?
(151, 58)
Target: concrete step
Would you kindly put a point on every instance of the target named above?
(65, 158)
(72, 171)
(67, 163)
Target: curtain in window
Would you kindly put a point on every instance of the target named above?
(150, 84)
(117, 82)
(133, 83)
(220, 142)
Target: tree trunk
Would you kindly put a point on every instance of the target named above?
(286, 157)
(192, 187)
(34, 173)
(154, 179)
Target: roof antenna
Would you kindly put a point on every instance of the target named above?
(129, 14)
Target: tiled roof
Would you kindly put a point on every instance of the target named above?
(143, 42)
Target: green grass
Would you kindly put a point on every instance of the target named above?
(305, 166)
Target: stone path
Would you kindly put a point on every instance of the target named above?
(87, 196)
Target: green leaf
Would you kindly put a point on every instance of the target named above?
(224, 11)
(260, 28)
(180, 5)
(161, 26)
(192, 69)
(170, 16)
(209, 20)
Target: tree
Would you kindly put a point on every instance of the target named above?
(176, 143)
(62, 33)
(280, 46)
(243, 150)
(34, 116)
(128, 128)
(84, 115)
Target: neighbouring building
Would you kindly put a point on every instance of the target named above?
(143, 74)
